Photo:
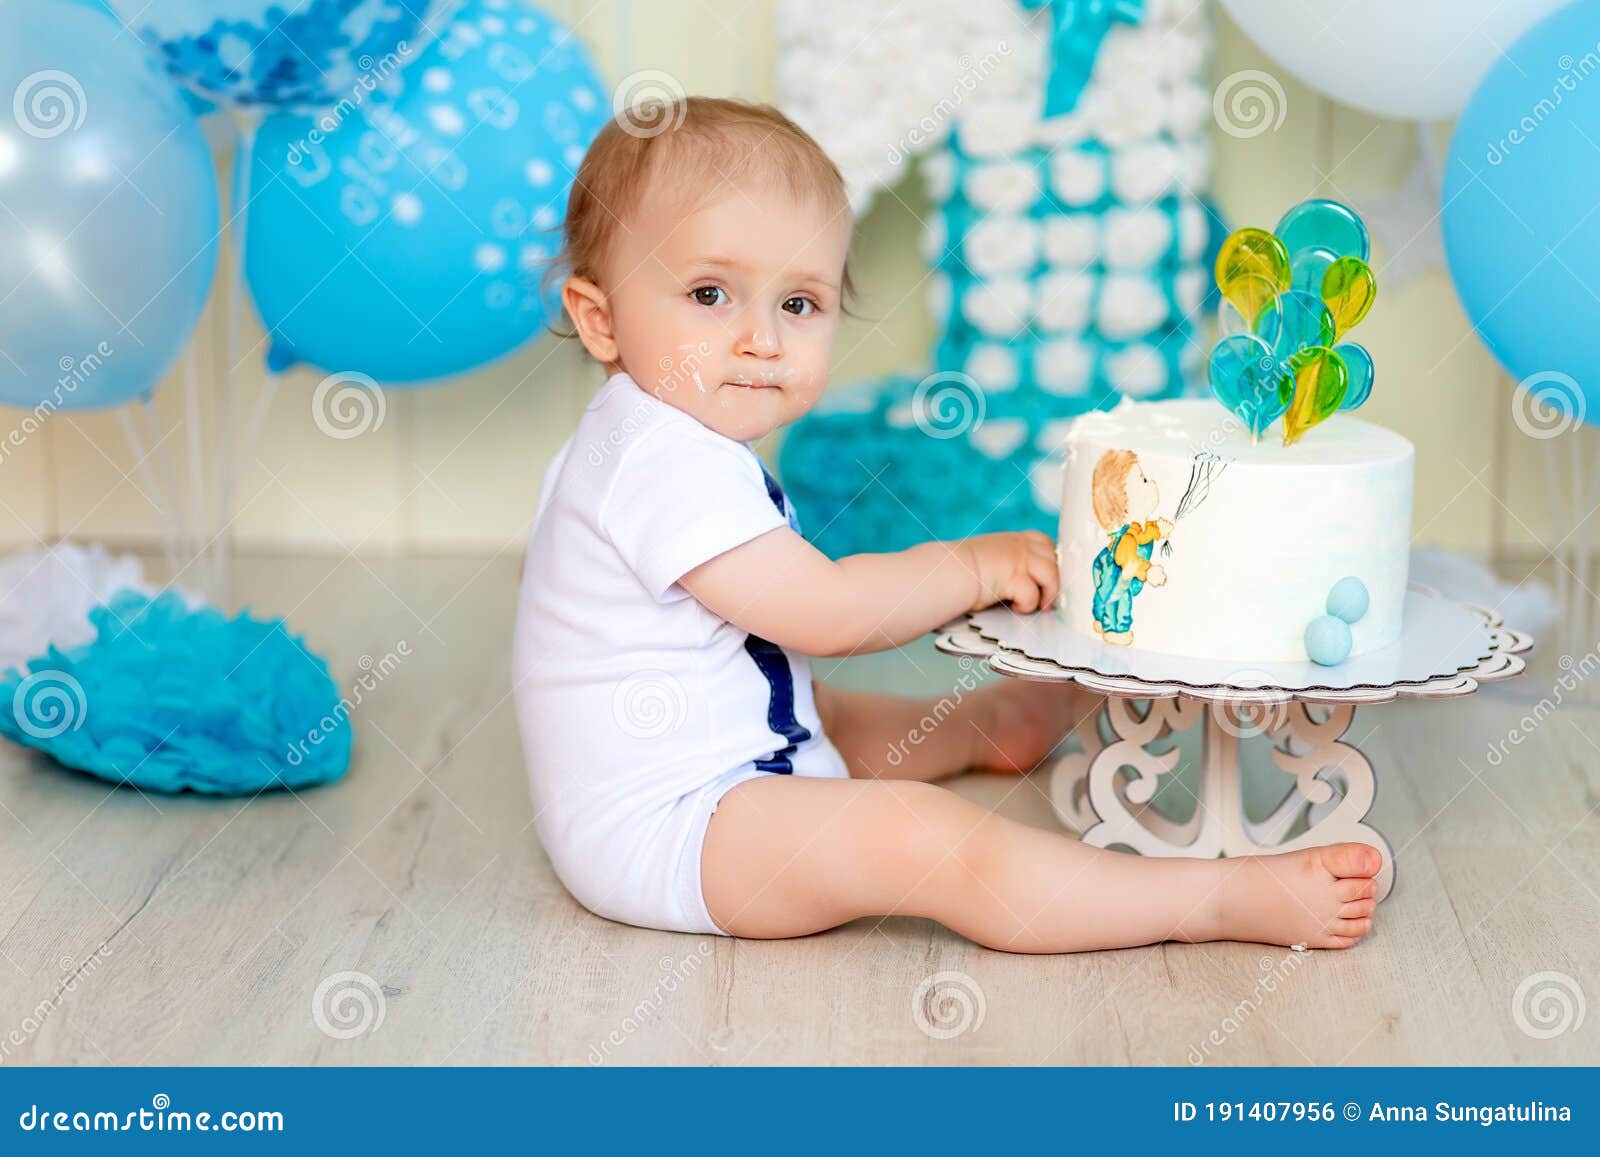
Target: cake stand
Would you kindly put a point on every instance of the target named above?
(1446, 650)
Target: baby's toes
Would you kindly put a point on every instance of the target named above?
(1354, 929)
(1356, 909)
(1351, 860)
(1355, 888)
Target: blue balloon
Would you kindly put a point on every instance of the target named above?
(407, 240)
(283, 53)
(108, 236)
(1520, 230)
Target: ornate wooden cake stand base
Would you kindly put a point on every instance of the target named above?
(1107, 792)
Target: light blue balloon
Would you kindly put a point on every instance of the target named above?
(1358, 363)
(407, 240)
(1520, 230)
(108, 235)
(1328, 641)
(1247, 379)
(283, 53)
(1348, 600)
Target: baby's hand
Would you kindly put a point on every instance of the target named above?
(1015, 567)
(1164, 528)
(1156, 576)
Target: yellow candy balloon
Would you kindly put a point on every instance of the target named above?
(1320, 381)
(1252, 262)
(1348, 290)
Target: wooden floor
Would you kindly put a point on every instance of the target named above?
(414, 895)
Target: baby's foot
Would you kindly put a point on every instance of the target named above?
(1018, 722)
(1319, 897)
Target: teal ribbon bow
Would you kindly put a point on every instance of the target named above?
(1079, 27)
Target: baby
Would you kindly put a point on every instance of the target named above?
(687, 774)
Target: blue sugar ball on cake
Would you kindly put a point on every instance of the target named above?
(1328, 641)
(1348, 600)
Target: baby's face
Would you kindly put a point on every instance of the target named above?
(728, 311)
(1143, 497)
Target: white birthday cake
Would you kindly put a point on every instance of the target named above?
(1180, 535)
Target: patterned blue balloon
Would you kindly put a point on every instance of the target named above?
(284, 53)
(1249, 381)
(406, 241)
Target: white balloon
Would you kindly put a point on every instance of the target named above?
(1410, 59)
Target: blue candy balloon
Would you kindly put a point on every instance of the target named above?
(1348, 600)
(1358, 362)
(1297, 321)
(1248, 380)
(1328, 641)
(284, 53)
(108, 235)
(1520, 230)
(406, 241)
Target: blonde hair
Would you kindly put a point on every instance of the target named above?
(680, 143)
(1109, 488)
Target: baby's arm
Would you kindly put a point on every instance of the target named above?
(782, 588)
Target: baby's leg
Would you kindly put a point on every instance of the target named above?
(791, 855)
(1008, 726)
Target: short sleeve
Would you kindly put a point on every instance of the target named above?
(678, 499)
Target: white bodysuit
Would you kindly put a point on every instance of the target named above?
(639, 707)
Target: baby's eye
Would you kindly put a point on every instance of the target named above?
(800, 306)
(707, 294)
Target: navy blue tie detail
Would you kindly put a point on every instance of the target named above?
(773, 664)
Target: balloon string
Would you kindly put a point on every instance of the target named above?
(141, 465)
(162, 453)
(195, 512)
(258, 416)
(245, 123)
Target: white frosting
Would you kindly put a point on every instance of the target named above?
(1252, 562)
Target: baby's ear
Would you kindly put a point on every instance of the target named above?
(586, 305)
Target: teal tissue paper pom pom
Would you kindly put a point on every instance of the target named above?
(1348, 599)
(1328, 641)
(172, 698)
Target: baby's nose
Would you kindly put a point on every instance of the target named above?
(761, 341)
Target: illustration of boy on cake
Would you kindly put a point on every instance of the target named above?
(1124, 502)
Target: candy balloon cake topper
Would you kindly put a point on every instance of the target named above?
(1287, 297)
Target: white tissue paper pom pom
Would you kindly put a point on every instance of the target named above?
(1044, 478)
(1189, 287)
(1191, 364)
(934, 236)
(998, 308)
(1077, 176)
(1003, 187)
(1059, 132)
(1124, 112)
(1136, 238)
(1001, 244)
(1064, 298)
(1193, 231)
(1071, 240)
(939, 299)
(1130, 306)
(939, 175)
(998, 128)
(993, 367)
(1128, 51)
(1194, 164)
(1188, 109)
(1144, 172)
(997, 437)
(1052, 437)
(1063, 367)
(1137, 371)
